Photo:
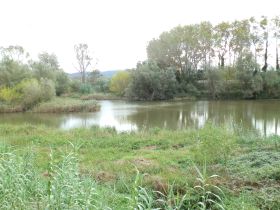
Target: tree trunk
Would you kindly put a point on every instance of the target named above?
(222, 61)
(277, 59)
(83, 77)
(264, 68)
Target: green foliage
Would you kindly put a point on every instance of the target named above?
(101, 85)
(214, 83)
(120, 82)
(9, 95)
(62, 83)
(214, 145)
(12, 72)
(249, 180)
(85, 88)
(29, 92)
(150, 82)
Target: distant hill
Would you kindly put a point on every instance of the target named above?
(107, 74)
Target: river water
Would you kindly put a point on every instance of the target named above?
(261, 115)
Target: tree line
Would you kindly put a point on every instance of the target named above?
(224, 61)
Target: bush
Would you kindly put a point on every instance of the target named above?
(214, 145)
(75, 85)
(85, 89)
(150, 82)
(29, 92)
(47, 89)
(9, 95)
(119, 83)
(62, 83)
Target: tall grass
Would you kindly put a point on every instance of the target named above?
(59, 105)
(91, 172)
(60, 187)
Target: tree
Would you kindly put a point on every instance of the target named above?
(12, 72)
(62, 83)
(150, 82)
(49, 60)
(276, 35)
(240, 42)
(120, 82)
(255, 38)
(15, 53)
(265, 35)
(47, 66)
(83, 59)
(222, 34)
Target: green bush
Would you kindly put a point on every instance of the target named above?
(47, 89)
(29, 92)
(214, 145)
(150, 82)
(62, 83)
(85, 89)
(9, 95)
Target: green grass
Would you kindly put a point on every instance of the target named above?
(212, 168)
(5, 108)
(62, 104)
(100, 96)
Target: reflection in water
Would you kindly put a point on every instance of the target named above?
(261, 115)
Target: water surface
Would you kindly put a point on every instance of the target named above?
(262, 115)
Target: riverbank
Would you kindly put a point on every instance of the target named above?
(56, 105)
(98, 166)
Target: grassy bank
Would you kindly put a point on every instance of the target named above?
(62, 104)
(4, 108)
(56, 105)
(97, 168)
(100, 96)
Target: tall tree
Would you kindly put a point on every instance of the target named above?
(276, 35)
(14, 52)
(222, 41)
(255, 38)
(240, 42)
(83, 59)
(264, 27)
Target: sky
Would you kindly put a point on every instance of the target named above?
(116, 31)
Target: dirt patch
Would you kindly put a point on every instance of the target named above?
(151, 147)
(103, 176)
(157, 183)
(143, 162)
(120, 162)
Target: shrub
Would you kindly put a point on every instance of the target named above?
(47, 89)
(150, 82)
(31, 93)
(85, 89)
(214, 145)
(62, 83)
(9, 95)
(120, 82)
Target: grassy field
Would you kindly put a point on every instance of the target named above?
(212, 168)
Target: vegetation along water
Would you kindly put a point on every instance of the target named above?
(195, 126)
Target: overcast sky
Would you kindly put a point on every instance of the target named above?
(117, 31)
